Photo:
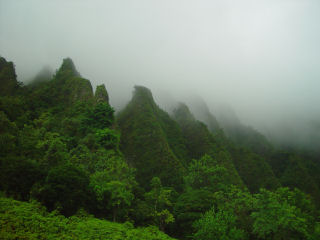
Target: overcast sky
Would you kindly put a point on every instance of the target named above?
(260, 56)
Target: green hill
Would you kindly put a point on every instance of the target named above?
(199, 141)
(151, 141)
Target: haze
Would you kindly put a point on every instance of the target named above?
(262, 57)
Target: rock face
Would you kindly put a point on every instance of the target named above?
(8, 77)
(101, 94)
(151, 140)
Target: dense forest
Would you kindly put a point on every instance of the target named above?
(72, 168)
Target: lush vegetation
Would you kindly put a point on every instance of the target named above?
(71, 169)
(20, 220)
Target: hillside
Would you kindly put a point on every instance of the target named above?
(71, 169)
(199, 141)
(151, 140)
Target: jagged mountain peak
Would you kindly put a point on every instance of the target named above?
(182, 113)
(8, 77)
(101, 94)
(142, 93)
(44, 75)
(151, 140)
(68, 68)
(202, 112)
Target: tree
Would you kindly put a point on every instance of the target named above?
(218, 224)
(276, 218)
(101, 116)
(112, 184)
(66, 187)
(107, 138)
(189, 208)
(159, 199)
(205, 173)
(18, 175)
(8, 131)
(55, 149)
(111, 195)
(240, 202)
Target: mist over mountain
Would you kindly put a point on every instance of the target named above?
(167, 172)
(160, 120)
(259, 57)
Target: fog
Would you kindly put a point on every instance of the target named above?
(262, 57)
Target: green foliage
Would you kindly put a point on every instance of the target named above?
(254, 170)
(101, 94)
(282, 214)
(15, 109)
(8, 78)
(100, 117)
(58, 144)
(244, 136)
(108, 138)
(276, 218)
(188, 208)
(66, 187)
(296, 175)
(8, 131)
(113, 188)
(144, 141)
(218, 225)
(67, 69)
(17, 177)
(20, 220)
(159, 199)
(240, 202)
(174, 136)
(205, 173)
(199, 141)
(297, 169)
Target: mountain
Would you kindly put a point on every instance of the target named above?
(254, 170)
(151, 140)
(101, 94)
(44, 75)
(186, 174)
(199, 141)
(68, 84)
(8, 77)
(242, 135)
(250, 167)
(201, 111)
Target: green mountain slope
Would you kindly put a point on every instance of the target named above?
(242, 135)
(150, 140)
(254, 170)
(8, 78)
(199, 141)
(247, 148)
